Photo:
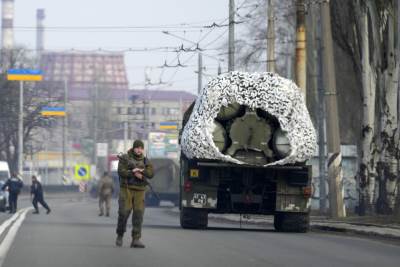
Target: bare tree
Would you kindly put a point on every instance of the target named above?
(365, 30)
(35, 97)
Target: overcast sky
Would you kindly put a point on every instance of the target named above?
(102, 13)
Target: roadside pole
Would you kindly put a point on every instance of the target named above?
(21, 127)
(65, 127)
(271, 37)
(231, 48)
(337, 209)
(22, 75)
(200, 74)
(301, 56)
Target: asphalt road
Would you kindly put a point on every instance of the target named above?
(73, 235)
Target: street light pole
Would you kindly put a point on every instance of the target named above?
(271, 38)
(336, 203)
(200, 75)
(231, 48)
(65, 126)
(21, 128)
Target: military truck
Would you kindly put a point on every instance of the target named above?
(165, 182)
(254, 139)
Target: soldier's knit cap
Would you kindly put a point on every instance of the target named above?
(138, 143)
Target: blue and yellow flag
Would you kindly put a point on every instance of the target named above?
(24, 75)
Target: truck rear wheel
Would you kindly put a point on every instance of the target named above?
(193, 218)
(292, 222)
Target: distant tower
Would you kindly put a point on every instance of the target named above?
(40, 16)
(7, 32)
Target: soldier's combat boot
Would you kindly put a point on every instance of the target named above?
(136, 243)
(119, 241)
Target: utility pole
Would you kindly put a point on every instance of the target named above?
(200, 75)
(318, 85)
(219, 68)
(271, 37)
(337, 209)
(65, 127)
(126, 121)
(231, 49)
(289, 62)
(21, 128)
(146, 109)
(301, 56)
(95, 118)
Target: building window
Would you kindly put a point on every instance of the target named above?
(153, 111)
(139, 110)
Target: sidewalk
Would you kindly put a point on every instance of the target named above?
(379, 226)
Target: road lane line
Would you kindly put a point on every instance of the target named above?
(10, 220)
(9, 238)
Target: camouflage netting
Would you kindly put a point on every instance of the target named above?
(278, 96)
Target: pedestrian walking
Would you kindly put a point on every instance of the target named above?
(14, 185)
(37, 193)
(105, 190)
(133, 169)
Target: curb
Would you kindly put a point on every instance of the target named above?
(364, 229)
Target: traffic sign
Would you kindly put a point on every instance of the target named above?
(24, 75)
(53, 111)
(82, 172)
(102, 149)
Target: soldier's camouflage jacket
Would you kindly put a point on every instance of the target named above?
(130, 161)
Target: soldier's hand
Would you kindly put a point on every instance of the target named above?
(139, 175)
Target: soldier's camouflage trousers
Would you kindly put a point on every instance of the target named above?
(130, 201)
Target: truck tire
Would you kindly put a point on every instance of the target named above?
(191, 218)
(292, 222)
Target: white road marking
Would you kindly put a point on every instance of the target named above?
(9, 238)
(7, 223)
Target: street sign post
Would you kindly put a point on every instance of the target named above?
(22, 75)
(82, 172)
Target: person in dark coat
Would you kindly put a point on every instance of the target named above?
(14, 185)
(37, 193)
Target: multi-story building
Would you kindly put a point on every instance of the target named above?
(100, 109)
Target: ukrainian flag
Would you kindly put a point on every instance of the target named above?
(168, 125)
(24, 75)
(53, 111)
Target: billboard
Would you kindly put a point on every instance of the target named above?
(163, 145)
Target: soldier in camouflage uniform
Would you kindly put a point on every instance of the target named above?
(105, 188)
(133, 169)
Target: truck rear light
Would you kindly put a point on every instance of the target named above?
(307, 191)
(187, 186)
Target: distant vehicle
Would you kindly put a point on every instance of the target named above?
(3, 198)
(4, 175)
(4, 171)
(165, 181)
